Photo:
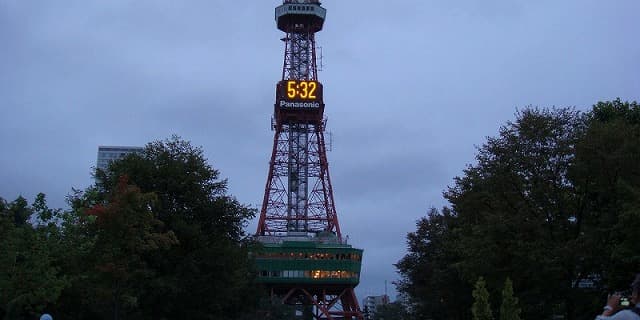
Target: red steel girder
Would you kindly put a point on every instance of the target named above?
(328, 302)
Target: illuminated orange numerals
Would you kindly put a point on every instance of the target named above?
(304, 87)
(312, 90)
(291, 89)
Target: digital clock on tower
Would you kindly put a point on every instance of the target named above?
(300, 90)
(305, 90)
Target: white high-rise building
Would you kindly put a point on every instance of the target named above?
(106, 154)
(371, 303)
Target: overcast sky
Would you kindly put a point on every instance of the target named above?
(411, 87)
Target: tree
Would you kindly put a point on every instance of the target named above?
(552, 202)
(30, 279)
(509, 308)
(156, 236)
(207, 273)
(391, 311)
(481, 308)
(519, 214)
(125, 231)
(608, 176)
(429, 278)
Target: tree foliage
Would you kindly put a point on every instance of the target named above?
(206, 273)
(125, 233)
(481, 309)
(609, 179)
(391, 311)
(31, 278)
(509, 309)
(157, 236)
(552, 202)
(431, 282)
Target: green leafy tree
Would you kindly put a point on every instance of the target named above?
(125, 231)
(552, 202)
(433, 286)
(207, 274)
(76, 255)
(608, 176)
(31, 280)
(391, 311)
(271, 310)
(519, 213)
(481, 309)
(509, 309)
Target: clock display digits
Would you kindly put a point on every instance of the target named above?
(291, 89)
(300, 90)
(312, 90)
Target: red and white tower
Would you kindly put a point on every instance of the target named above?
(304, 261)
(298, 195)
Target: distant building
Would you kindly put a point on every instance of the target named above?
(106, 154)
(371, 303)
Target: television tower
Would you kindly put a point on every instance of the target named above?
(305, 261)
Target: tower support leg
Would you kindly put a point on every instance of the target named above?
(326, 304)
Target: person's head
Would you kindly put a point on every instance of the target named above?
(635, 290)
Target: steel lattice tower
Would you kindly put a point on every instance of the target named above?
(305, 261)
(298, 195)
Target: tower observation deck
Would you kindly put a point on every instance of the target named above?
(304, 260)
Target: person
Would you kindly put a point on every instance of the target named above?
(614, 311)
